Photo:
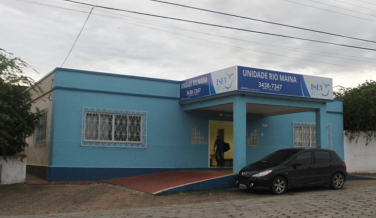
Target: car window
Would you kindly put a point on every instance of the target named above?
(322, 157)
(279, 156)
(336, 158)
(304, 159)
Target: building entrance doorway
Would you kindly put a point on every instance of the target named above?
(226, 131)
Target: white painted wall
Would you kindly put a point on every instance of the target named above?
(360, 158)
(13, 171)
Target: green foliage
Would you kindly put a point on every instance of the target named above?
(359, 110)
(17, 121)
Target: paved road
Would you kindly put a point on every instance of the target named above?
(318, 203)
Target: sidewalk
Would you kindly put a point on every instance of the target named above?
(357, 199)
(33, 180)
(365, 175)
(25, 200)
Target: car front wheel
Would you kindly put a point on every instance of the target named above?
(279, 185)
(338, 181)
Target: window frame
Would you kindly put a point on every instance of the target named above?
(38, 130)
(312, 135)
(329, 137)
(113, 135)
(141, 125)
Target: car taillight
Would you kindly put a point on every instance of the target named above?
(344, 165)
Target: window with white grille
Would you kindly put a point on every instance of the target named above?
(304, 135)
(41, 130)
(253, 139)
(114, 128)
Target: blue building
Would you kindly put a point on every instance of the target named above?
(100, 125)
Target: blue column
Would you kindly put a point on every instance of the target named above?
(240, 129)
(321, 127)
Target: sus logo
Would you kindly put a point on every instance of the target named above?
(226, 81)
(323, 88)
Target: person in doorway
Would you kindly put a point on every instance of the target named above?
(219, 153)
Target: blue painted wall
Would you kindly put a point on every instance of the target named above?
(168, 126)
(277, 132)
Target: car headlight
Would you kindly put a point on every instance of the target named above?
(263, 173)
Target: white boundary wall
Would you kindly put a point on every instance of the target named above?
(13, 171)
(360, 158)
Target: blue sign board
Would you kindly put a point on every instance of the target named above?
(209, 84)
(196, 87)
(257, 81)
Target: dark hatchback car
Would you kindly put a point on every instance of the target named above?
(295, 167)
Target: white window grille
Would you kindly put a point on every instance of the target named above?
(114, 128)
(329, 136)
(253, 139)
(197, 137)
(304, 135)
(41, 130)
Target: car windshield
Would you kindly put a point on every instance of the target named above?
(279, 157)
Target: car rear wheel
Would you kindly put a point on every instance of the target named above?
(279, 185)
(338, 181)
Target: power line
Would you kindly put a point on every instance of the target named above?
(264, 21)
(247, 49)
(221, 26)
(328, 54)
(366, 2)
(61, 3)
(333, 55)
(284, 47)
(78, 36)
(336, 12)
(371, 60)
(354, 5)
(53, 6)
(342, 8)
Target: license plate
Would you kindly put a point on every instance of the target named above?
(242, 186)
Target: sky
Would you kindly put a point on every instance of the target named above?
(42, 33)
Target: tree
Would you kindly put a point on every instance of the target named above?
(17, 120)
(359, 110)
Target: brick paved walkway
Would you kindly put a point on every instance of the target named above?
(356, 200)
